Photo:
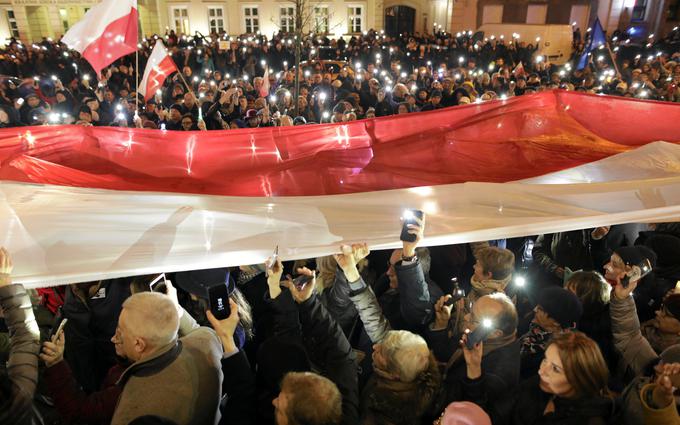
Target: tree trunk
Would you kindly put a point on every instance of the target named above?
(299, 4)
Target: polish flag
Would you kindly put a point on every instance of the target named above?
(264, 89)
(158, 68)
(519, 70)
(79, 204)
(107, 32)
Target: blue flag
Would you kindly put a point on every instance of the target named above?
(597, 39)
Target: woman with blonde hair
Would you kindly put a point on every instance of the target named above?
(570, 388)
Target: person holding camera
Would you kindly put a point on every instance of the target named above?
(18, 384)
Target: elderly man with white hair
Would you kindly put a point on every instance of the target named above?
(176, 371)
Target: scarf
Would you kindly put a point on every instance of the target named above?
(486, 287)
(535, 340)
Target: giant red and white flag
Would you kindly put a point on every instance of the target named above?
(88, 203)
(106, 32)
(158, 68)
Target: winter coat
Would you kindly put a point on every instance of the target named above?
(18, 385)
(181, 382)
(76, 406)
(338, 304)
(636, 351)
(596, 323)
(525, 406)
(501, 374)
(92, 322)
(238, 389)
(576, 250)
(658, 416)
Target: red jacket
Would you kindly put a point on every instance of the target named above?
(76, 406)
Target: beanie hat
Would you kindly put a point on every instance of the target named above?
(672, 305)
(633, 255)
(176, 106)
(86, 109)
(561, 305)
(464, 413)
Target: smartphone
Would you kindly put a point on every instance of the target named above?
(480, 334)
(410, 218)
(159, 284)
(301, 281)
(275, 256)
(218, 297)
(638, 272)
(456, 294)
(60, 328)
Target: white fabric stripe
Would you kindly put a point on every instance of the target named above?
(59, 235)
(95, 21)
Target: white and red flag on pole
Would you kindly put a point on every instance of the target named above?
(264, 89)
(107, 32)
(519, 70)
(158, 68)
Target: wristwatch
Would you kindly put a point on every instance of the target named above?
(410, 259)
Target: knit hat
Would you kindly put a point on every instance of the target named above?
(672, 305)
(633, 255)
(561, 305)
(436, 93)
(176, 106)
(464, 413)
(252, 113)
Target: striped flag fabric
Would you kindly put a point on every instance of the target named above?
(89, 203)
(159, 66)
(108, 31)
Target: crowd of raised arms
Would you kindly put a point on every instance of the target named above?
(370, 75)
(580, 327)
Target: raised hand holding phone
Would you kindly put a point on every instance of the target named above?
(304, 292)
(413, 228)
(226, 328)
(274, 271)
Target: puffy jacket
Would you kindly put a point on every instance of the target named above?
(18, 386)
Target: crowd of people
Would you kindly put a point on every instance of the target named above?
(580, 327)
(221, 84)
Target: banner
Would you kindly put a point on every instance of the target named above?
(86, 203)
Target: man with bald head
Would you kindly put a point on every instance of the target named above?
(177, 378)
(499, 352)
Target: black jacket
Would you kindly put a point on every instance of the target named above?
(238, 390)
(525, 406)
(501, 375)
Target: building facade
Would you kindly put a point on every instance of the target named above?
(30, 20)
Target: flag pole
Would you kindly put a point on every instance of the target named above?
(137, 71)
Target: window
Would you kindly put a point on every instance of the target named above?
(12, 23)
(492, 14)
(320, 19)
(355, 19)
(251, 19)
(216, 19)
(287, 19)
(180, 20)
(63, 15)
(639, 10)
(536, 14)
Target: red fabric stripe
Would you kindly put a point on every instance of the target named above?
(107, 48)
(523, 137)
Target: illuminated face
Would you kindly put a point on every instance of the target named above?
(125, 343)
(551, 372)
(187, 123)
(615, 269)
(666, 323)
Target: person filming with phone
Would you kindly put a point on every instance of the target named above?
(176, 372)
